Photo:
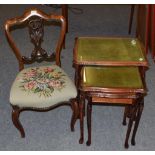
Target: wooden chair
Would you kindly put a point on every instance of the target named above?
(41, 88)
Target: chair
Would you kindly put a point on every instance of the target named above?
(40, 88)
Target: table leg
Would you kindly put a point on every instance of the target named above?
(133, 110)
(89, 113)
(131, 17)
(139, 113)
(81, 104)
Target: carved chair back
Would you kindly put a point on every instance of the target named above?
(35, 20)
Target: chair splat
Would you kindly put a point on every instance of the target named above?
(36, 32)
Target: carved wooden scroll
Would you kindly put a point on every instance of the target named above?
(36, 32)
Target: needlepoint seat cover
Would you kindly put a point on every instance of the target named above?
(41, 87)
(112, 77)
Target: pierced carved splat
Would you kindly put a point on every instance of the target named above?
(36, 32)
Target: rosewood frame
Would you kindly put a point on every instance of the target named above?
(21, 61)
(17, 110)
(27, 15)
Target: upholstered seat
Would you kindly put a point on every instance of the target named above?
(41, 87)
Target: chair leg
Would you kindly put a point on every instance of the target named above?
(81, 104)
(131, 119)
(15, 119)
(64, 41)
(89, 112)
(140, 110)
(74, 106)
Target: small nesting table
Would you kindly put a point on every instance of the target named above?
(110, 70)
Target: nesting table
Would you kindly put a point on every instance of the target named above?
(93, 54)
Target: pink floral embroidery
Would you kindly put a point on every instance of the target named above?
(55, 83)
(30, 74)
(42, 81)
(48, 69)
(30, 85)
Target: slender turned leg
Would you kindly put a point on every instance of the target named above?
(124, 117)
(131, 17)
(84, 108)
(89, 111)
(74, 106)
(15, 119)
(81, 120)
(131, 119)
(140, 110)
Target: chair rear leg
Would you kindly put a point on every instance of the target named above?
(15, 119)
(64, 42)
(140, 110)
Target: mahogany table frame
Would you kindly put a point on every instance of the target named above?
(81, 94)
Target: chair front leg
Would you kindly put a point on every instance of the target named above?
(89, 112)
(140, 110)
(15, 119)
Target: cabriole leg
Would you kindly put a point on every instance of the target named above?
(15, 119)
(140, 110)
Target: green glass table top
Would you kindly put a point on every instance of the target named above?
(112, 77)
(92, 49)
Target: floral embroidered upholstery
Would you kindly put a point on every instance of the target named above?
(41, 87)
(42, 81)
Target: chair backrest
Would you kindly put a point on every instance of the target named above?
(35, 20)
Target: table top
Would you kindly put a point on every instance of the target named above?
(109, 51)
(112, 78)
